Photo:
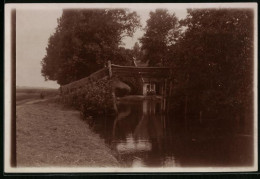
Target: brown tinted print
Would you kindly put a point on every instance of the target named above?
(158, 87)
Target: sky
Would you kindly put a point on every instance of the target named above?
(33, 29)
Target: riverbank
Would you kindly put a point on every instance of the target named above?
(49, 134)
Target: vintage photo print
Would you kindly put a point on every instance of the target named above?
(130, 87)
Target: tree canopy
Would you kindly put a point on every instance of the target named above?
(213, 60)
(84, 40)
(161, 31)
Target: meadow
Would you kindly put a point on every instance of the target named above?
(24, 94)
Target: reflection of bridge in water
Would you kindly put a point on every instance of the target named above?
(150, 108)
(138, 129)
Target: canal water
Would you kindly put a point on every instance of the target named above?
(143, 135)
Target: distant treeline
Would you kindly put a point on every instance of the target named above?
(36, 90)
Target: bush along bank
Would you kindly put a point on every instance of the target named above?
(92, 100)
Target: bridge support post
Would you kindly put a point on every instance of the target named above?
(164, 95)
(170, 92)
(113, 90)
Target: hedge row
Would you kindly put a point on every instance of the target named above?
(92, 100)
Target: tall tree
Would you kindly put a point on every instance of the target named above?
(161, 31)
(84, 40)
(137, 52)
(213, 61)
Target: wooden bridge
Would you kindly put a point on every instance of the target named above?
(161, 73)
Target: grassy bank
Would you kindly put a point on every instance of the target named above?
(51, 135)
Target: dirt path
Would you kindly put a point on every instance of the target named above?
(50, 135)
(28, 101)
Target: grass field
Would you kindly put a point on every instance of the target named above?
(26, 94)
(49, 134)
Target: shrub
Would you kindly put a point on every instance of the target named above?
(93, 99)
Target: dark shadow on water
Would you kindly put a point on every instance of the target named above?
(143, 135)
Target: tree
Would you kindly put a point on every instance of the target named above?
(161, 31)
(137, 52)
(85, 40)
(213, 61)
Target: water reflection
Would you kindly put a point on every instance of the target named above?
(144, 135)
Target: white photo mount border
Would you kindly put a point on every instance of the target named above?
(8, 75)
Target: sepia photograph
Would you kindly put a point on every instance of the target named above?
(117, 87)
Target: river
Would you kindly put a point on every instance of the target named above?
(142, 135)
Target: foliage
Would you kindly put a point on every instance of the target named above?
(93, 100)
(161, 31)
(213, 60)
(137, 52)
(124, 57)
(85, 40)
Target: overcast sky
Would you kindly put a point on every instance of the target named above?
(33, 29)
